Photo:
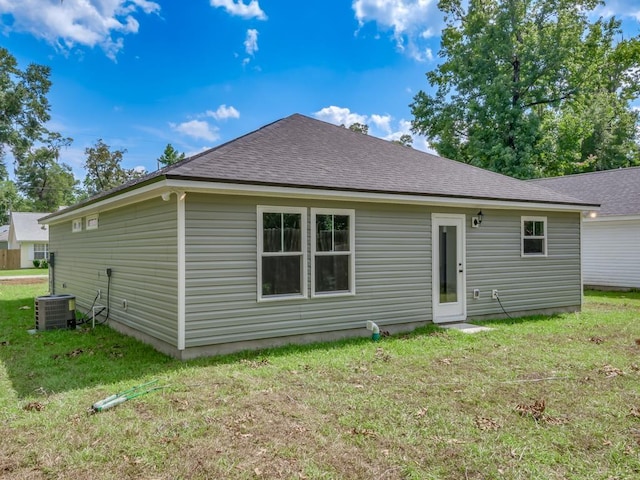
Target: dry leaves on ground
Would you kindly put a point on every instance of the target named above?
(610, 371)
(382, 355)
(34, 407)
(255, 363)
(487, 424)
(536, 411)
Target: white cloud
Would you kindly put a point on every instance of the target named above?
(238, 8)
(618, 8)
(198, 129)
(382, 122)
(223, 112)
(381, 126)
(412, 22)
(70, 23)
(340, 116)
(251, 41)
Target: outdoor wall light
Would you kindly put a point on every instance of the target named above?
(476, 220)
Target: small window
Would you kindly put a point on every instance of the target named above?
(92, 222)
(282, 260)
(332, 248)
(40, 251)
(76, 225)
(534, 236)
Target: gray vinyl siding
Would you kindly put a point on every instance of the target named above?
(139, 243)
(392, 277)
(523, 283)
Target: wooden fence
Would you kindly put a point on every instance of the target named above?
(9, 259)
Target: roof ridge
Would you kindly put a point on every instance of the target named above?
(597, 172)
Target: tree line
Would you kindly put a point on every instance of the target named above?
(41, 181)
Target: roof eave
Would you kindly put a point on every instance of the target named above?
(160, 185)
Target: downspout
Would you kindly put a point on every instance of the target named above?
(375, 330)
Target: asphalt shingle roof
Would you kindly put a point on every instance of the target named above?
(299, 151)
(305, 152)
(26, 227)
(618, 191)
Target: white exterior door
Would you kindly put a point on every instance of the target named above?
(448, 265)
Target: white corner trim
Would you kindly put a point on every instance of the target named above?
(182, 293)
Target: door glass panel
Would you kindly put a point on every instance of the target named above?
(448, 264)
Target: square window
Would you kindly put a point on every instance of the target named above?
(92, 222)
(76, 225)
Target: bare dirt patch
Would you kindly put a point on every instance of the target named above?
(23, 281)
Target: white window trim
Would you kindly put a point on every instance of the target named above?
(534, 237)
(88, 220)
(304, 288)
(352, 251)
(76, 225)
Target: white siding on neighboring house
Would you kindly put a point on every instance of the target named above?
(611, 253)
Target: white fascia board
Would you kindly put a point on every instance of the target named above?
(612, 218)
(353, 196)
(126, 198)
(156, 189)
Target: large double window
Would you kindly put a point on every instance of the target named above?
(332, 251)
(282, 262)
(283, 247)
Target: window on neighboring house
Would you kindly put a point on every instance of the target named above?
(282, 260)
(332, 248)
(40, 251)
(534, 236)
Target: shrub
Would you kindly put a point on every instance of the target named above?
(44, 264)
(36, 263)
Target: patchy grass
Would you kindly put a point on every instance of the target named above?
(23, 272)
(540, 397)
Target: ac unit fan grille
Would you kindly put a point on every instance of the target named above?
(55, 311)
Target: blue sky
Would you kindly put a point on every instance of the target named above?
(140, 74)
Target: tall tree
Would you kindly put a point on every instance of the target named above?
(45, 182)
(24, 108)
(518, 75)
(170, 156)
(104, 169)
(11, 201)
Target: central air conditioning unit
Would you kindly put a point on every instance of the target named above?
(55, 311)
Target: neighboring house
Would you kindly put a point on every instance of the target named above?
(4, 237)
(31, 238)
(610, 235)
(303, 231)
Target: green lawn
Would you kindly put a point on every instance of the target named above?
(24, 271)
(431, 405)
